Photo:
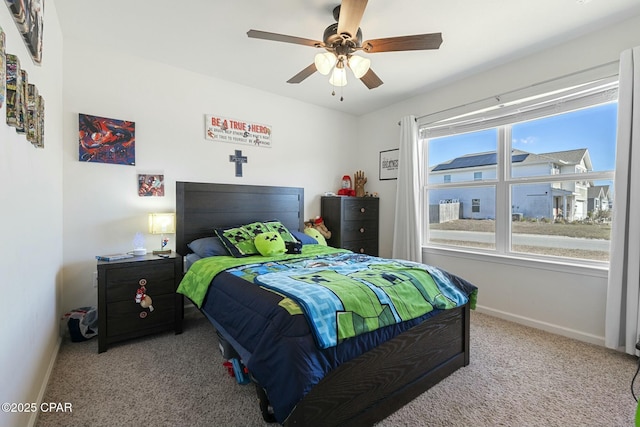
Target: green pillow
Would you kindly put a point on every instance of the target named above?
(256, 228)
(238, 241)
(275, 225)
(310, 231)
(270, 243)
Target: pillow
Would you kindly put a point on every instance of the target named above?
(310, 231)
(208, 246)
(255, 228)
(270, 243)
(238, 241)
(275, 225)
(304, 238)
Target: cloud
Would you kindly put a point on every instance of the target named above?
(524, 141)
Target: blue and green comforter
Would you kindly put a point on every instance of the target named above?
(342, 294)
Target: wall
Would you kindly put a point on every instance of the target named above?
(102, 210)
(31, 250)
(515, 290)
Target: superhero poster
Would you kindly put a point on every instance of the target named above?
(105, 140)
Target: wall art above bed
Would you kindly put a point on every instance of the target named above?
(225, 129)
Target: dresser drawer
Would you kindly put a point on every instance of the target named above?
(356, 230)
(128, 316)
(122, 283)
(360, 209)
(369, 247)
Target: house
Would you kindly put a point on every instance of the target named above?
(599, 201)
(567, 200)
(59, 213)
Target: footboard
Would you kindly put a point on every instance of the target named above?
(376, 384)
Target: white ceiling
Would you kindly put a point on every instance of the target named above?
(209, 37)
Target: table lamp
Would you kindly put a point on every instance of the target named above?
(162, 223)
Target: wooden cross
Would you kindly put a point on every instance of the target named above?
(239, 159)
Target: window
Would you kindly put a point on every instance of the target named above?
(533, 178)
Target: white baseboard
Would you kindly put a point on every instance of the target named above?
(45, 381)
(538, 324)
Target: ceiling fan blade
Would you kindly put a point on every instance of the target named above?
(371, 79)
(257, 34)
(395, 44)
(351, 12)
(303, 74)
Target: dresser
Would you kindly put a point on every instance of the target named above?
(120, 316)
(353, 222)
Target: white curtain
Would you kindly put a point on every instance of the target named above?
(622, 322)
(406, 228)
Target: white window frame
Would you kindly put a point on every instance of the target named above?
(591, 94)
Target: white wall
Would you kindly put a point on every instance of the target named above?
(312, 148)
(31, 213)
(529, 292)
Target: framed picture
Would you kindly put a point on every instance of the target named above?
(150, 185)
(28, 16)
(389, 164)
(3, 68)
(103, 140)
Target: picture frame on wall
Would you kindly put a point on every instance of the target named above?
(29, 18)
(150, 185)
(105, 140)
(389, 164)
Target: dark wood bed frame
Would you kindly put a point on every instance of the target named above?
(370, 387)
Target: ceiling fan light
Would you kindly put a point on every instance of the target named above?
(359, 65)
(338, 77)
(324, 62)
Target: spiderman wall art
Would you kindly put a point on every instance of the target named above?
(105, 140)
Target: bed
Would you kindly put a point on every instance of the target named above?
(363, 379)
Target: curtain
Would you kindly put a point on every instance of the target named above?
(622, 319)
(406, 228)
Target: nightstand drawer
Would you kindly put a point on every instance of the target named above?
(122, 283)
(128, 316)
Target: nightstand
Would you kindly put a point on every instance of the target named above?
(353, 222)
(120, 317)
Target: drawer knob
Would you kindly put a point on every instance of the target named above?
(143, 314)
(362, 210)
(142, 282)
(362, 229)
(361, 250)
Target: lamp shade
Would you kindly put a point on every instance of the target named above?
(162, 223)
(359, 65)
(338, 77)
(324, 62)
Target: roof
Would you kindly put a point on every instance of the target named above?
(598, 191)
(567, 157)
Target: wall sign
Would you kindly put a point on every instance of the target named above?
(225, 129)
(389, 164)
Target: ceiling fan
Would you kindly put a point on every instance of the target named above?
(343, 39)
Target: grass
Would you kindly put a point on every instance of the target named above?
(580, 230)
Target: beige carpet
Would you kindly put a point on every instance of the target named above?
(518, 376)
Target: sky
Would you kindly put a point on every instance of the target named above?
(593, 128)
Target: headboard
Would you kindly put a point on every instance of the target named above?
(201, 207)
